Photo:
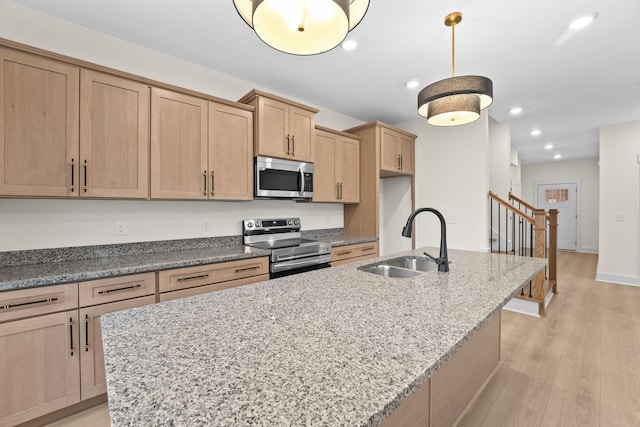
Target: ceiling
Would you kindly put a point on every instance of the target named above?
(569, 83)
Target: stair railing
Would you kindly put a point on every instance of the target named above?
(524, 230)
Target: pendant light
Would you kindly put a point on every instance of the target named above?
(456, 100)
(302, 27)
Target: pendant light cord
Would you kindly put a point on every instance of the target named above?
(453, 50)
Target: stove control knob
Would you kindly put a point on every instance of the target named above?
(296, 222)
(289, 222)
(249, 224)
(258, 224)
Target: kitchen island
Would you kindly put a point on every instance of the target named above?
(336, 346)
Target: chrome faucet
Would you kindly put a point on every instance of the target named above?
(443, 259)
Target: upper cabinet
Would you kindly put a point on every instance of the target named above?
(283, 128)
(199, 149)
(39, 151)
(396, 152)
(336, 167)
(114, 136)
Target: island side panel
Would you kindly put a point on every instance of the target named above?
(455, 383)
(412, 412)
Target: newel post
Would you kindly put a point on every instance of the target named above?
(539, 233)
(553, 248)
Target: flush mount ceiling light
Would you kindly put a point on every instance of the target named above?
(456, 100)
(302, 27)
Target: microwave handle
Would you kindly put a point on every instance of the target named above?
(301, 181)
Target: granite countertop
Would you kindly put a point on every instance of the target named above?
(332, 347)
(35, 268)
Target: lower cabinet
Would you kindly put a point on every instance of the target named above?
(189, 281)
(351, 253)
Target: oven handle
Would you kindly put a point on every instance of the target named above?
(282, 266)
(301, 186)
(292, 257)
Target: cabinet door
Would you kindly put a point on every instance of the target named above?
(230, 153)
(325, 187)
(114, 136)
(302, 130)
(178, 146)
(38, 126)
(389, 156)
(92, 373)
(347, 161)
(39, 366)
(273, 137)
(406, 154)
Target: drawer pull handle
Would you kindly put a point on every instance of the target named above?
(344, 253)
(126, 288)
(72, 349)
(255, 267)
(86, 332)
(368, 248)
(30, 303)
(184, 279)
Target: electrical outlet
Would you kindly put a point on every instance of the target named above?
(120, 228)
(620, 217)
(206, 225)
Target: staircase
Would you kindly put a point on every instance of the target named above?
(517, 228)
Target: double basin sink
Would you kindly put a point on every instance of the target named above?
(401, 267)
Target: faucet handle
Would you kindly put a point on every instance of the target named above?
(438, 260)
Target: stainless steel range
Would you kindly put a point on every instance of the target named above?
(290, 253)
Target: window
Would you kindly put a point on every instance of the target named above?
(556, 195)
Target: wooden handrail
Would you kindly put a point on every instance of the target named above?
(512, 208)
(522, 202)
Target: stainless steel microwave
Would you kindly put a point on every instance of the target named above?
(278, 178)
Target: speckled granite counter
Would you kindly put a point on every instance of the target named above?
(34, 268)
(331, 347)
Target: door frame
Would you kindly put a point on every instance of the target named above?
(578, 183)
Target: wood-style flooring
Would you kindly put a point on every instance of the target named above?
(578, 366)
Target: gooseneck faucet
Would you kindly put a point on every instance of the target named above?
(443, 259)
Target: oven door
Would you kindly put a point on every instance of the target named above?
(277, 178)
(287, 268)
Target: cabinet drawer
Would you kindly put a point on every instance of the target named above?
(190, 277)
(23, 303)
(346, 254)
(118, 288)
(168, 296)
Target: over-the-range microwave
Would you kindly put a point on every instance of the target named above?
(278, 178)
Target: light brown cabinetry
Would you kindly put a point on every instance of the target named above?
(188, 281)
(336, 167)
(396, 152)
(51, 351)
(376, 141)
(351, 253)
(38, 126)
(114, 137)
(283, 128)
(199, 149)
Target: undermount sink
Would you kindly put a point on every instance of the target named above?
(401, 267)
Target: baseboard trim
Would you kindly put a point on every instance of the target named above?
(588, 250)
(530, 308)
(618, 279)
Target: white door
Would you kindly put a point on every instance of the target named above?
(563, 197)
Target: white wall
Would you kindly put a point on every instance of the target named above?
(395, 208)
(34, 224)
(587, 173)
(500, 158)
(619, 259)
(452, 176)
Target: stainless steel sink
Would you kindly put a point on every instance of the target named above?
(401, 267)
(412, 263)
(388, 271)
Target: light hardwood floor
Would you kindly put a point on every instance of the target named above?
(578, 366)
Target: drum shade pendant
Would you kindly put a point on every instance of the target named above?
(456, 100)
(302, 27)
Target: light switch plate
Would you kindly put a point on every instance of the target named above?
(120, 228)
(620, 217)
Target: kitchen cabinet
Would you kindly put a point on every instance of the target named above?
(114, 137)
(396, 153)
(188, 281)
(336, 167)
(377, 142)
(199, 149)
(50, 345)
(39, 119)
(283, 128)
(341, 255)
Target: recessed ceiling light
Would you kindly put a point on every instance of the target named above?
(515, 111)
(557, 156)
(583, 21)
(548, 146)
(349, 44)
(412, 84)
(536, 132)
